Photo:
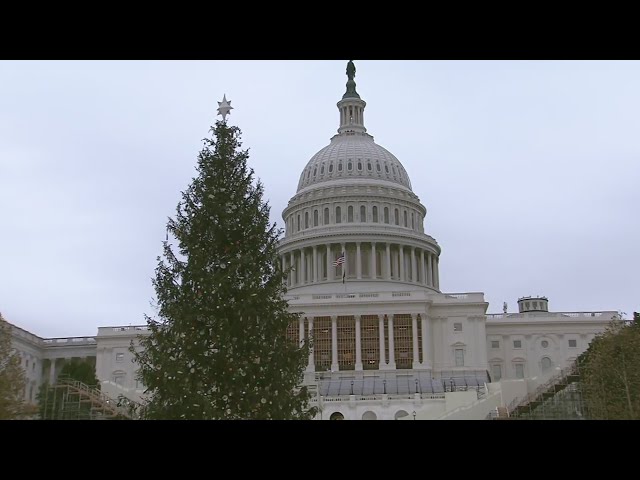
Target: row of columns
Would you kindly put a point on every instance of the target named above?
(300, 258)
(383, 364)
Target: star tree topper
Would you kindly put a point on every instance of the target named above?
(224, 108)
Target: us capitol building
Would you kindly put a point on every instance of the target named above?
(389, 343)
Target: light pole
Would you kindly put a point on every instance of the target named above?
(414, 414)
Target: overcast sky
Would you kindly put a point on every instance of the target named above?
(529, 171)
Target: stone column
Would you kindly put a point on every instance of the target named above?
(52, 371)
(294, 271)
(392, 352)
(423, 278)
(329, 263)
(414, 334)
(426, 354)
(383, 362)
(358, 344)
(303, 267)
(414, 272)
(301, 330)
(387, 274)
(311, 367)
(315, 264)
(334, 343)
(374, 266)
(358, 262)
(401, 264)
(429, 270)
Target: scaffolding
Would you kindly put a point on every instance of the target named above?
(71, 399)
(560, 398)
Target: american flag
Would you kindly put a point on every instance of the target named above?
(339, 260)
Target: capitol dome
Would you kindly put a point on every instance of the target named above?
(354, 216)
(350, 157)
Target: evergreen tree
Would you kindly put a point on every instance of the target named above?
(610, 373)
(219, 347)
(12, 376)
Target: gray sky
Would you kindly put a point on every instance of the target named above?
(529, 171)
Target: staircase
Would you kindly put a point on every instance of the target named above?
(526, 407)
(101, 407)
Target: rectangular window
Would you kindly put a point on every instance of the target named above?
(573, 343)
(519, 370)
(495, 343)
(517, 344)
(27, 362)
(119, 357)
(496, 373)
(459, 357)
(457, 327)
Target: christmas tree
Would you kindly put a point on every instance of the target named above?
(218, 348)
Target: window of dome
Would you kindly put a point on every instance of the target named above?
(375, 214)
(308, 173)
(331, 167)
(315, 218)
(340, 166)
(338, 215)
(322, 169)
(406, 224)
(397, 217)
(369, 166)
(363, 213)
(413, 222)
(315, 170)
(378, 167)
(386, 215)
(349, 166)
(386, 168)
(395, 172)
(350, 214)
(326, 216)
(359, 166)
(298, 229)
(306, 219)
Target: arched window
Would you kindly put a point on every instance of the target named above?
(400, 414)
(340, 166)
(331, 167)
(306, 219)
(349, 166)
(369, 166)
(326, 216)
(350, 214)
(406, 224)
(386, 168)
(397, 217)
(375, 214)
(363, 213)
(378, 167)
(413, 222)
(315, 170)
(386, 215)
(336, 416)
(298, 229)
(359, 166)
(546, 364)
(338, 215)
(369, 415)
(322, 169)
(315, 218)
